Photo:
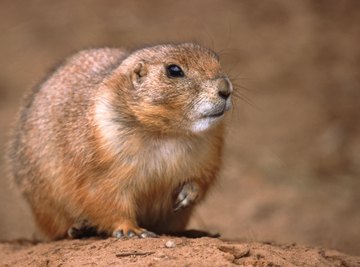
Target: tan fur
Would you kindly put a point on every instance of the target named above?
(110, 138)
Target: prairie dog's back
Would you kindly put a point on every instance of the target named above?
(59, 102)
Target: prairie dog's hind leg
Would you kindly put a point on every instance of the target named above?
(118, 219)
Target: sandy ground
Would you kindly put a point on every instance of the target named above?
(292, 159)
(168, 251)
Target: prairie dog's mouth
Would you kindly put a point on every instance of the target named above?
(216, 113)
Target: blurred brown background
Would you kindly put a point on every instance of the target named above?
(292, 162)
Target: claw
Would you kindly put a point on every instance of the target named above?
(182, 204)
(131, 231)
(131, 234)
(119, 234)
(146, 234)
(187, 196)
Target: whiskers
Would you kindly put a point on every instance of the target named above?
(241, 94)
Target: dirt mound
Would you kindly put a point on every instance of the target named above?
(166, 251)
(291, 164)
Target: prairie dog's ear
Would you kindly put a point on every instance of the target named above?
(138, 73)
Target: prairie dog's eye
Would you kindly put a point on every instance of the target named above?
(174, 71)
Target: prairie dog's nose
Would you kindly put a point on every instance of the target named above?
(224, 88)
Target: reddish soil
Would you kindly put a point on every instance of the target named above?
(168, 251)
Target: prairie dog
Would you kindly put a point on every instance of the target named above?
(122, 142)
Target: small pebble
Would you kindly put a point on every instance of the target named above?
(170, 244)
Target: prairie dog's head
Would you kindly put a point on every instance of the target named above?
(177, 88)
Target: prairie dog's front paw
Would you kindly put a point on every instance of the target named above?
(188, 194)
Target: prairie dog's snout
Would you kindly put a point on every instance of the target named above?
(212, 103)
(224, 87)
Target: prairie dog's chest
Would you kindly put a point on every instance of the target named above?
(169, 157)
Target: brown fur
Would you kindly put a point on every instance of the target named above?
(107, 138)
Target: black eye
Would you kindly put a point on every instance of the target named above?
(174, 71)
